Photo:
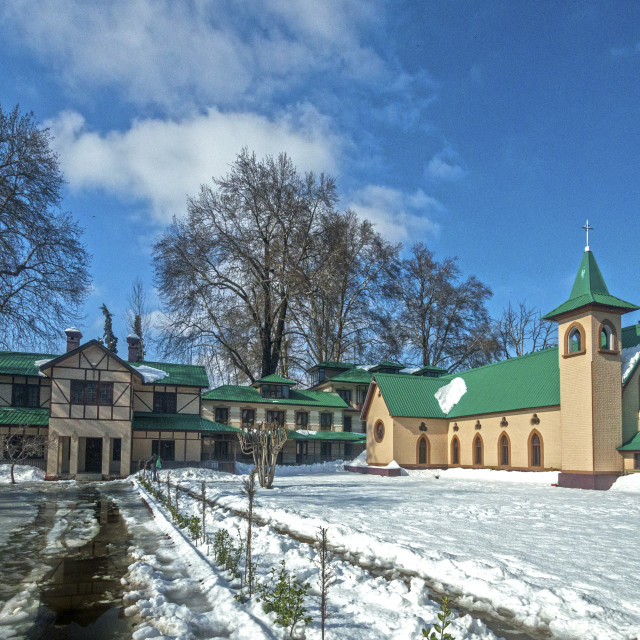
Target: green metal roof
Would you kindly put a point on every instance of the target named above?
(429, 369)
(589, 287)
(387, 364)
(630, 339)
(178, 422)
(21, 364)
(185, 375)
(21, 416)
(274, 379)
(353, 376)
(517, 383)
(340, 436)
(332, 364)
(249, 395)
(410, 396)
(632, 445)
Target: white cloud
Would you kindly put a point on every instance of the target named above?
(160, 162)
(443, 167)
(398, 216)
(215, 52)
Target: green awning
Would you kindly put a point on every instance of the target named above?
(339, 436)
(22, 416)
(178, 422)
(632, 445)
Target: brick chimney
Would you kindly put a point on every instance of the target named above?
(134, 347)
(73, 338)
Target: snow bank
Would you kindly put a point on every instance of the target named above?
(449, 395)
(489, 475)
(22, 473)
(630, 483)
(298, 469)
(630, 357)
(150, 374)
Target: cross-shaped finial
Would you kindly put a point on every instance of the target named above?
(587, 228)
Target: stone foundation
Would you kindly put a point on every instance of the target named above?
(601, 482)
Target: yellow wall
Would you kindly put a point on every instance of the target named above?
(406, 433)
(518, 431)
(379, 453)
(590, 397)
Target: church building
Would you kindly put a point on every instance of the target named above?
(572, 408)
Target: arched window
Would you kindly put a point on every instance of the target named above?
(477, 451)
(535, 450)
(455, 450)
(378, 431)
(503, 450)
(607, 337)
(423, 450)
(574, 340)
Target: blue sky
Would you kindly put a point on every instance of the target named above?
(489, 131)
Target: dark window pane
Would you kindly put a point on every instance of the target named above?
(326, 420)
(347, 423)
(248, 417)
(167, 449)
(345, 394)
(275, 416)
(91, 393)
(77, 390)
(33, 393)
(117, 450)
(19, 395)
(222, 415)
(164, 402)
(106, 393)
(302, 419)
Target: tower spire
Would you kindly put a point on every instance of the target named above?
(587, 228)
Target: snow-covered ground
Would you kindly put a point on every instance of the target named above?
(22, 473)
(504, 543)
(361, 606)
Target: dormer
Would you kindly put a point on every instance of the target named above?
(430, 372)
(274, 386)
(387, 367)
(323, 371)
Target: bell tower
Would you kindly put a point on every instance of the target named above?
(589, 351)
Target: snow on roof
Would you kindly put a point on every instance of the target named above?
(449, 395)
(366, 367)
(39, 363)
(150, 374)
(630, 357)
(410, 369)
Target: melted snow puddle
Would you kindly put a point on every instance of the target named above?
(82, 594)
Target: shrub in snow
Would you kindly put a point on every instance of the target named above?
(443, 617)
(226, 553)
(284, 595)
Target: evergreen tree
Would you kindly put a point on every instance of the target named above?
(108, 339)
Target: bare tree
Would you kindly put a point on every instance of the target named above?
(341, 285)
(249, 490)
(326, 574)
(137, 315)
(521, 330)
(264, 442)
(439, 318)
(17, 447)
(228, 272)
(44, 276)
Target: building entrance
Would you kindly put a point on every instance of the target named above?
(93, 455)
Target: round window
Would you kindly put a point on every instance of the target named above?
(378, 431)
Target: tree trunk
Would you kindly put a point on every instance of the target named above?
(13, 479)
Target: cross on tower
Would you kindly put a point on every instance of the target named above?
(587, 228)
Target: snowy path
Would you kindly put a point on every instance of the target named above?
(551, 559)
